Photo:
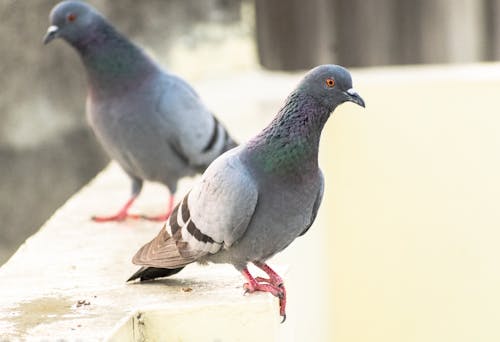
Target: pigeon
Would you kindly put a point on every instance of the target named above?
(149, 120)
(255, 199)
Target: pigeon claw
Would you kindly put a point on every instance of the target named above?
(275, 291)
(284, 318)
(282, 299)
(273, 285)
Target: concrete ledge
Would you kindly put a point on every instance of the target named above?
(68, 282)
(224, 321)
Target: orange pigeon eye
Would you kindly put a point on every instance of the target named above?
(71, 17)
(330, 82)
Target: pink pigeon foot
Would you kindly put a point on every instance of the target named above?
(120, 216)
(274, 285)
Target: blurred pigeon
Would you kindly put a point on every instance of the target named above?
(148, 120)
(254, 200)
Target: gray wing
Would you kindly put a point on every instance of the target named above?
(317, 203)
(198, 137)
(212, 216)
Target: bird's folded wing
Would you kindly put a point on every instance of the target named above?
(161, 252)
(212, 216)
(198, 137)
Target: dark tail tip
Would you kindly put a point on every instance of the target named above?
(149, 273)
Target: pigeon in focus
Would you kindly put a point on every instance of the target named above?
(149, 120)
(254, 200)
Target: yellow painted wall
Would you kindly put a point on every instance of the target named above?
(413, 207)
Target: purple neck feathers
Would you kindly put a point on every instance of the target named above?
(290, 143)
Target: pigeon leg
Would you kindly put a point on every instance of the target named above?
(162, 217)
(121, 215)
(276, 281)
(278, 291)
(274, 278)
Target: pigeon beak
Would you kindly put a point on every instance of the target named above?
(353, 96)
(52, 33)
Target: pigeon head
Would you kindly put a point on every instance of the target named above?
(71, 21)
(330, 85)
(289, 145)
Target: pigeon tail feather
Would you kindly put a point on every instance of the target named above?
(150, 273)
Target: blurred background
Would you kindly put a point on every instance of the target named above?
(47, 151)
